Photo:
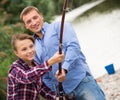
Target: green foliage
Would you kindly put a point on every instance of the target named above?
(3, 88)
(45, 6)
(3, 94)
(4, 66)
(6, 52)
(49, 8)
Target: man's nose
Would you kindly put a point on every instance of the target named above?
(33, 22)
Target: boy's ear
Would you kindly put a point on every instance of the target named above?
(15, 52)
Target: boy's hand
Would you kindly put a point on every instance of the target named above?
(56, 58)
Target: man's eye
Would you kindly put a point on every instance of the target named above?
(28, 22)
(31, 46)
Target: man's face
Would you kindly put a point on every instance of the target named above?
(25, 50)
(33, 21)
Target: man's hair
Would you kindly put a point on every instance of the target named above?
(22, 36)
(26, 10)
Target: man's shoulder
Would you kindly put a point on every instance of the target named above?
(55, 23)
(59, 22)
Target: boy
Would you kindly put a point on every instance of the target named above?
(24, 77)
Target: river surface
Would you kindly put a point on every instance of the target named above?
(99, 37)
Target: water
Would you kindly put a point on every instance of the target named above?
(70, 16)
(99, 37)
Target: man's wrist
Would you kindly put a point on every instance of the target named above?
(65, 71)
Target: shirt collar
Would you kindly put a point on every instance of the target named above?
(23, 63)
(44, 27)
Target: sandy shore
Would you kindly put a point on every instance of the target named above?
(110, 85)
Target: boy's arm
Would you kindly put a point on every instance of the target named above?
(29, 76)
(47, 93)
(33, 73)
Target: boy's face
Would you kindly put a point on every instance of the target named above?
(25, 50)
(33, 21)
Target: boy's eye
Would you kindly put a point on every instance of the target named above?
(24, 49)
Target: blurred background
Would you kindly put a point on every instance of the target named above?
(96, 23)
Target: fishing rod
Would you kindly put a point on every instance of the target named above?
(61, 91)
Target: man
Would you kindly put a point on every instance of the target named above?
(24, 77)
(79, 81)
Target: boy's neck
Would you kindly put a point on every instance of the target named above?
(30, 64)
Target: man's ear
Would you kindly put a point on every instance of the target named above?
(25, 26)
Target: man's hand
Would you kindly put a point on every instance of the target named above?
(59, 99)
(61, 76)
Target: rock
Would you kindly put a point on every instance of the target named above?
(110, 84)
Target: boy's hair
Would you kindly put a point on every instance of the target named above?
(26, 10)
(22, 36)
